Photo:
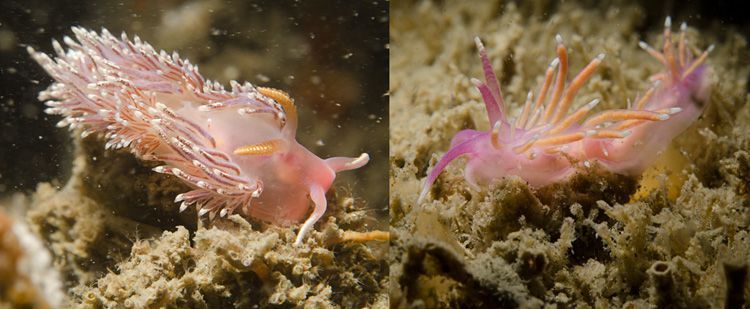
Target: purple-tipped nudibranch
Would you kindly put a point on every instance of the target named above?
(547, 141)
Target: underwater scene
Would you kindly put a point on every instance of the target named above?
(563, 154)
(184, 154)
(374, 154)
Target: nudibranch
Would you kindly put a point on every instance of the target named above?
(546, 141)
(236, 149)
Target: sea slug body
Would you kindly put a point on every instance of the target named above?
(545, 142)
(236, 148)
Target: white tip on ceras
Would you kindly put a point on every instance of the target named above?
(183, 206)
(234, 85)
(592, 104)
(223, 212)
(668, 22)
(683, 26)
(202, 212)
(479, 44)
(495, 135)
(52, 110)
(86, 133)
(476, 82)
(106, 33)
(58, 48)
(600, 57)
(554, 63)
(674, 110)
(558, 39)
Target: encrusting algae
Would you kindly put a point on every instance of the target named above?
(589, 240)
(27, 277)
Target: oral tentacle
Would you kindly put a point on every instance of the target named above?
(318, 197)
(339, 164)
(455, 152)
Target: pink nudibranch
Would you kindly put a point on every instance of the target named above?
(544, 144)
(237, 148)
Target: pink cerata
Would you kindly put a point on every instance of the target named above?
(545, 143)
(236, 148)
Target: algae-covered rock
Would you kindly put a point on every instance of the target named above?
(27, 278)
